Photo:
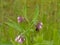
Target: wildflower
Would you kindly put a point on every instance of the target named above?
(20, 39)
(20, 19)
(39, 26)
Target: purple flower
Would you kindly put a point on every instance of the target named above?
(20, 39)
(39, 26)
(20, 19)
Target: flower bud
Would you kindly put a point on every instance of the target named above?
(20, 39)
(20, 19)
(39, 26)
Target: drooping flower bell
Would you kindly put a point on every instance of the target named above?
(39, 26)
(20, 39)
(20, 19)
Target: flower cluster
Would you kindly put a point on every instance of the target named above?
(20, 39)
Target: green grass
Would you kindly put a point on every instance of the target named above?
(34, 11)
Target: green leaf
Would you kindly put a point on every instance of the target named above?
(14, 25)
(34, 20)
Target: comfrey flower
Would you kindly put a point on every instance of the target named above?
(39, 26)
(20, 19)
(20, 39)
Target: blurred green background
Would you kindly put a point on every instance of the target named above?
(48, 13)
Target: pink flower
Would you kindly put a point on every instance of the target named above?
(20, 39)
(39, 26)
(20, 19)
